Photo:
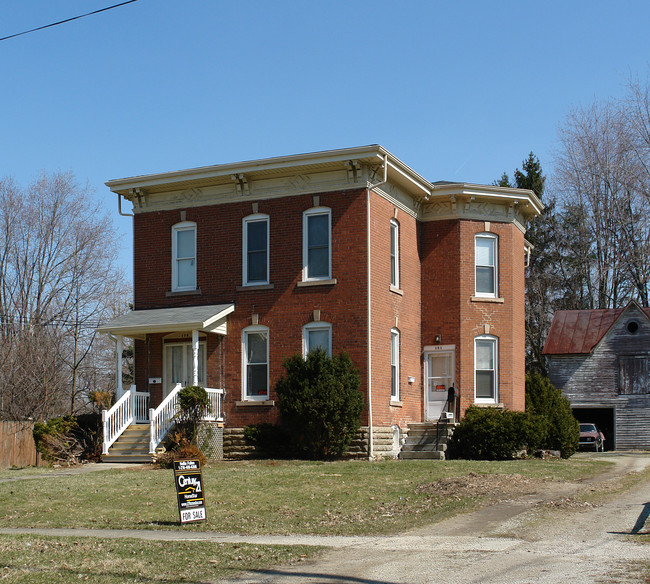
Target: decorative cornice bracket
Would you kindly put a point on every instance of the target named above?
(241, 184)
(139, 195)
(354, 170)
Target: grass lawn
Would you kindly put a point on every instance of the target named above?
(267, 497)
(28, 559)
(264, 497)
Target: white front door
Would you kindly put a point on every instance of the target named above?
(439, 366)
(178, 365)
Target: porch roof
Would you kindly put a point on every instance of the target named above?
(138, 323)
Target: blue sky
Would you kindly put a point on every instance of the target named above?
(457, 90)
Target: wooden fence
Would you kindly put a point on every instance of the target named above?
(17, 446)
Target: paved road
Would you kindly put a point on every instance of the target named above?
(509, 543)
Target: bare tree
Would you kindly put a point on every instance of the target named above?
(600, 181)
(58, 280)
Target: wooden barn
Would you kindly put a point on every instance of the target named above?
(599, 359)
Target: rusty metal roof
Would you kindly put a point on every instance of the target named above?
(579, 331)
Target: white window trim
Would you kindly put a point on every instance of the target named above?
(184, 226)
(394, 361)
(305, 251)
(245, 332)
(258, 217)
(495, 254)
(316, 326)
(394, 244)
(495, 344)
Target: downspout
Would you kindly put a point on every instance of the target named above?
(371, 442)
(119, 207)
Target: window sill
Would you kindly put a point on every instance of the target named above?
(498, 406)
(252, 402)
(395, 403)
(253, 287)
(487, 299)
(172, 293)
(396, 290)
(308, 283)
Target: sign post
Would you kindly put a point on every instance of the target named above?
(189, 490)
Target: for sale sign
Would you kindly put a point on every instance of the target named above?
(189, 490)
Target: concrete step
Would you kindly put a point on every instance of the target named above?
(130, 458)
(429, 455)
(118, 447)
(423, 447)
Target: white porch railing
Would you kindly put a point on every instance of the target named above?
(162, 418)
(133, 406)
(141, 407)
(118, 418)
(216, 405)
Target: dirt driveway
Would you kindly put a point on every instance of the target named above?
(543, 537)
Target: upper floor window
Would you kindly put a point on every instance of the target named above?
(317, 248)
(255, 340)
(485, 255)
(317, 335)
(633, 375)
(394, 253)
(255, 259)
(394, 364)
(184, 256)
(486, 368)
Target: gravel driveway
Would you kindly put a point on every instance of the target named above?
(547, 537)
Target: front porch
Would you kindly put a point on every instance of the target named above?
(179, 340)
(132, 409)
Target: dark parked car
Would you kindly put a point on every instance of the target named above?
(591, 437)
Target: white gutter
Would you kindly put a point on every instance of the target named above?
(371, 443)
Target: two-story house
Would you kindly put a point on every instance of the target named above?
(237, 266)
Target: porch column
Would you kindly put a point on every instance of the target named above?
(119, 347)
(195, 357)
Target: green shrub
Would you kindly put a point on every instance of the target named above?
(559, 429)
(269, 440)
(491, 434)
(193, 404)
(320, 403)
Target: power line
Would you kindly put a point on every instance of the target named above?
(67, 20)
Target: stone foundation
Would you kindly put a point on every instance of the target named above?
(386, 442)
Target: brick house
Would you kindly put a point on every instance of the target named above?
(238, 266)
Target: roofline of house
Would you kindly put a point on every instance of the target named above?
(374, 154)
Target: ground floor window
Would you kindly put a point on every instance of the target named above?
(317, 335)
(485, 359)
(394, 364)
(255, 350)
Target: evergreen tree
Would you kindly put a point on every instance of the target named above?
(542, 280)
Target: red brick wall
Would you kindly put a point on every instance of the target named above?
(436, 280)
(447, 250)
(505, 320)
(395, 310)
(285, 308)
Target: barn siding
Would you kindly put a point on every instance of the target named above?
(593, 380)
(633, 422)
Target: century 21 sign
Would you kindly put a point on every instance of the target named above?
(189, 490)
